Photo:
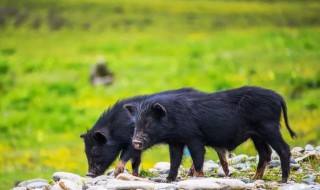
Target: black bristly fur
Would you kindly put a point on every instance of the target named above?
(112, 134)
(223, 119)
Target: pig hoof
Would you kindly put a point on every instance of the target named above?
(190, 173)
(198, 174)
(227, 173)
(169, 180)
(135, 173)
(284, 180)
(118, 171)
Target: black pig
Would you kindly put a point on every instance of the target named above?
(112, 134)
(223, 120)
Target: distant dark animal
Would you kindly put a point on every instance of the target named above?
(100, 74)
(223, 120)
(113, 133)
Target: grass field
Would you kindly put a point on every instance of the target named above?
(48, 47)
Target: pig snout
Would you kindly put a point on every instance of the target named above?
(137, 144)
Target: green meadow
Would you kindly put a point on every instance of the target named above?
(47, 49)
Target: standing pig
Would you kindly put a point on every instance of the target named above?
(223, 120)
(113, 134)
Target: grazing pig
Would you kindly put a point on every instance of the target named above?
(112, 134)
(223, 120)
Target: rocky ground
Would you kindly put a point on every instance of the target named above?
(305, 174)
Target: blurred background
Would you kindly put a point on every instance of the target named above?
(48, 49)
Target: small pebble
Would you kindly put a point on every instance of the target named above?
(297, 151)
(295, 166)
(66, 175)
(238, 159)
(293, 161)
(68, 184)
(39, 184)
(250, 185)
(158, 179)
(221, 172)
(309, 148)
(25, 183)
(19, 188)
(309, 156)
(274, 163)
(162, 165)
(209, 166)
(309, 179)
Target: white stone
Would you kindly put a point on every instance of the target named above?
(204, 183)
(165, 186)
(309, 148)
(66, 175)
(25, 183)
(129, 177)
(153, 170)
(250, 185)
(309, 156)
(259, 183)
(221, 172)
(97, 180)
(295, 166)
(19, 188)
(96, 188)
(242, 166)
(238, 159)
(273, 184)
(297, 151)
(56, 187)
(212, 183)
(38, 184)
(298, 187)
(162, 166)
(121, 184)
(231, 183)
(274, 163)
(68, 184)
(318, 148)
(209, 166)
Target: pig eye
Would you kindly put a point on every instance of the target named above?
(149, 122)
(94, 151)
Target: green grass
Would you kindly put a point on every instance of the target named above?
(47, 49)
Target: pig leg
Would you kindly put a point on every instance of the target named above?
(176, 152)
(191, 170)
(126, 155)
(120, 167)
(273, 137)
(223, 159)
(264, 152)
(136, 160)
(197, 152)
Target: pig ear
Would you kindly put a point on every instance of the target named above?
(130, 109)
(159, 109)
(83, 135)
(100, 137)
